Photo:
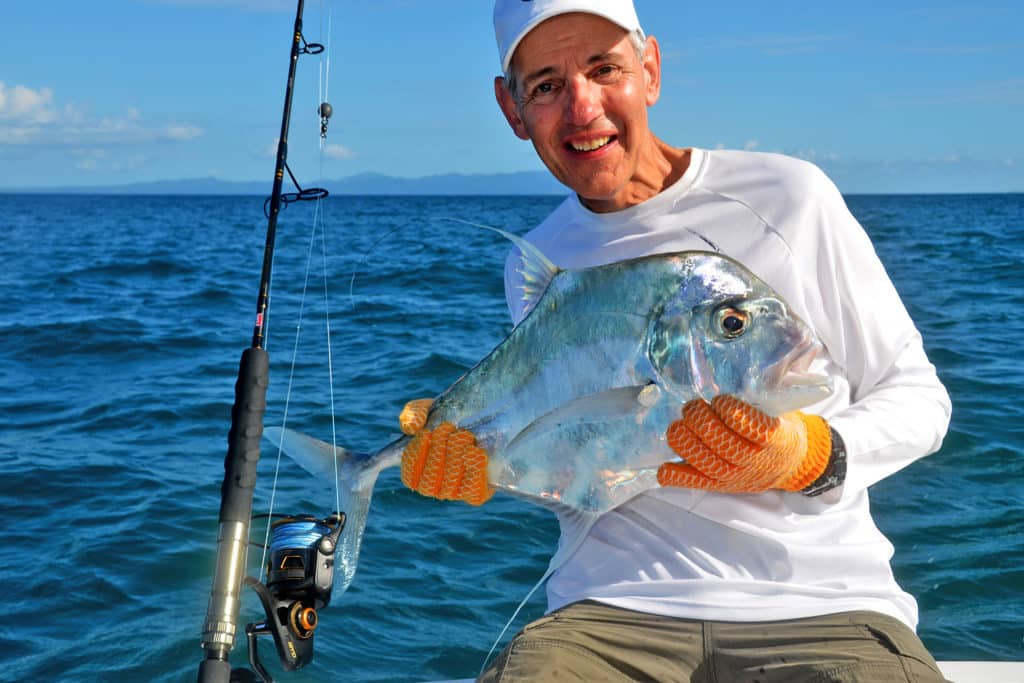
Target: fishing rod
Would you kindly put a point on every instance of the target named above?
(300, 569)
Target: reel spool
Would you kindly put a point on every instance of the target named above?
(300, 577)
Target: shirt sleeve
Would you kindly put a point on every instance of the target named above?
(898, 409)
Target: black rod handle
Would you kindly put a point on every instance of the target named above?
(221, 625)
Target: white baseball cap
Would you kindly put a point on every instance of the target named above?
(513, 19)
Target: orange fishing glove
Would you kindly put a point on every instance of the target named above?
(731, 446)
(445, 462)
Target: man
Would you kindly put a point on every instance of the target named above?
(762, 566)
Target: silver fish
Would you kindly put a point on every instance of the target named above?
(572, 406)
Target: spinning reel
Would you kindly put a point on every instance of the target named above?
(300, 577)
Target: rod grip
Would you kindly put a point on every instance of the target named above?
(214, 671)
(244, 437)
(243, 456)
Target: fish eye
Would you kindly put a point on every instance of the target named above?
(732, 322)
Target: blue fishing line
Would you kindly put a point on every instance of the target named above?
(298, 534)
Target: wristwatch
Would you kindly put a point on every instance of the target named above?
(835, 472)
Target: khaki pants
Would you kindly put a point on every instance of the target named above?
(591, 642)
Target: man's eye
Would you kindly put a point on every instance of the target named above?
(542, 91)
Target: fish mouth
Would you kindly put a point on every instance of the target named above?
(796, 365)
(793, 377)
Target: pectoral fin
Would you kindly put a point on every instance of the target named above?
(614, 404)
(590, 454)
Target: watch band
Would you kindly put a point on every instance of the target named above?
(835, 472)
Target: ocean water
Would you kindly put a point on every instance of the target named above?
(122, 322)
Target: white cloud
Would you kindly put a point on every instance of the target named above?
(26, 105)
(182, 131)
(87, 159)
(252, 5)
(31, 117)
(814, 155)
(333, 151)
(94, 159)
(330, 151)
(750, 145)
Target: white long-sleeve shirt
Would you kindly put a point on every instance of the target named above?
(773, 555)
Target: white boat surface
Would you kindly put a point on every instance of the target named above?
(983, 672)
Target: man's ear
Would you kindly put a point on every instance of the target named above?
(652, 69)
(509, 108)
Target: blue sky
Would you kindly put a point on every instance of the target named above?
(885, 96)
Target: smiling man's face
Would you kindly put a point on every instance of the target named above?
(582, 100)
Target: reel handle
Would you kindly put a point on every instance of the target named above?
(294, 647)
(300, 578)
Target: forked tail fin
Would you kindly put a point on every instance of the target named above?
(356, 476)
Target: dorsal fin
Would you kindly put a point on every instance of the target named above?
(537, 270)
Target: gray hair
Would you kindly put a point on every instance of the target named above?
(637, 38)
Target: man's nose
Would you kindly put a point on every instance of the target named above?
(583, 102)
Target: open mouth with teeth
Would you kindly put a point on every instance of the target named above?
(591, 145)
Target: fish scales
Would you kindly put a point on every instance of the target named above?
(541, 366)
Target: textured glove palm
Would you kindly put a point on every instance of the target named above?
(730, 446)
(445, 462)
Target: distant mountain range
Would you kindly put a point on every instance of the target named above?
(521, 183)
